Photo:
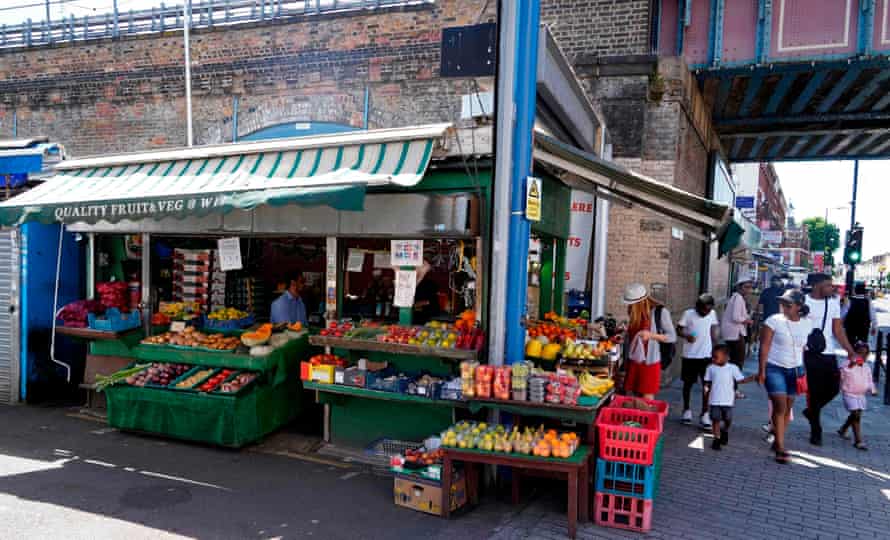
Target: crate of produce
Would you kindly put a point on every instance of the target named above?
(237, 383)
(628, 435)
(114, 321)
(643, 404)
(622, 512)
(235, 324)
(191, 379)
(632, 480)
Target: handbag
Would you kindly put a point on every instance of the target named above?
(667, 350)
(802, 388)
(801, 381)
(816, 340)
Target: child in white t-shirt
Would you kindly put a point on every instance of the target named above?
(720, 380)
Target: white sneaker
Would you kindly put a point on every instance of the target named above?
(706, 420)
(687, 417)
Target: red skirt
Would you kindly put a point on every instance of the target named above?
(643, 378)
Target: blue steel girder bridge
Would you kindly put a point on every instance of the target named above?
(787, 79)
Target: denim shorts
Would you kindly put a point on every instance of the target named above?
(782, 380)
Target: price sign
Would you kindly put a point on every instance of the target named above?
(406, 253)
(229, 254)
(406, 284)
(355, 261)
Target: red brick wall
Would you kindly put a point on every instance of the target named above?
(115, 96)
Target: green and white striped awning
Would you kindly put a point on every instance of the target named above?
(331, 170)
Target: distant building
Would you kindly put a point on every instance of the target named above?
(795, 248)
(761, 200)
(870, 271)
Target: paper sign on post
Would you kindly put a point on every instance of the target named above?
(229, 254)
(406, 253)
(382, 259)
(355, 261)
(406, 284)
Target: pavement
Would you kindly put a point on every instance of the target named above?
(65, 475)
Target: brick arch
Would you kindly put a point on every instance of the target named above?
(256, 112)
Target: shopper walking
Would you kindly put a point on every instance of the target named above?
(782, 343)
(768, 304)
(643, 377)
(735, 323)
(827, 336)
(860, 321)
(855, 382)
(721, 379)
(698, 329)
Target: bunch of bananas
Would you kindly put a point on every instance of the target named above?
(594, 386)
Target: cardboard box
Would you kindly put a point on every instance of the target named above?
(322, 374)
(426, 495)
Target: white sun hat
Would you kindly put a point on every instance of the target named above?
(633, 293)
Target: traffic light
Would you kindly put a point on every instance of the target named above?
(853, 248)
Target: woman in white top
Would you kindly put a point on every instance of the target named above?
(782, 343)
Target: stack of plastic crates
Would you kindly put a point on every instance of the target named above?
(629, 464)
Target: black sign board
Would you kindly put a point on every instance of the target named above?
(469, 51)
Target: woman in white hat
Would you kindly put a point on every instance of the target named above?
(643, 376)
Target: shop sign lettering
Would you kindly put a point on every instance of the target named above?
(138, 209)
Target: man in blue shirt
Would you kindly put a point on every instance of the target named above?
(289, 307)
(769, 298)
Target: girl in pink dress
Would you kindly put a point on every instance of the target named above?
(856, 382)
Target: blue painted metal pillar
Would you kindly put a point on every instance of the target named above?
(524, 94)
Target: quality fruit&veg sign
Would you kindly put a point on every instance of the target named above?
(115, 211)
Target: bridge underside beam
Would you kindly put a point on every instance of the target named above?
(830, 110)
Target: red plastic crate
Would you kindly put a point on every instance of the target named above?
(618, 442)
(661, 406)
(622, 512)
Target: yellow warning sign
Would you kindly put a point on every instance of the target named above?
(533, 199)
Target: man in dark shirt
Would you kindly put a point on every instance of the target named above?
(769, 298)
(426, 296)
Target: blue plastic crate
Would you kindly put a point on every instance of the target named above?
(629, 479)
(238, 324)
(114, 321)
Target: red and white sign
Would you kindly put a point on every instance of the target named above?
(579, 241)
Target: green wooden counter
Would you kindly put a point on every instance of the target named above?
(232, 421)
(359, 416)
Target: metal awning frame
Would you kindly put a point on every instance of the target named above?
(596, 174)
(379, 136)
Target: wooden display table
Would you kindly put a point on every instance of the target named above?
(575, 468)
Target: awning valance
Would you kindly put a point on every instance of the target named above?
(598, 174)
(332, 170)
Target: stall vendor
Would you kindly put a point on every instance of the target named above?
(289, 307)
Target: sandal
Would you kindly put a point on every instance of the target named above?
(860, 446)
(843, 435)
(783, 457)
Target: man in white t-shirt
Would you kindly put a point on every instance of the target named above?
(698, 332)
(823, 375)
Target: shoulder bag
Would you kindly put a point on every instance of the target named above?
(802, 388)
(666, 350)
(816, 340)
